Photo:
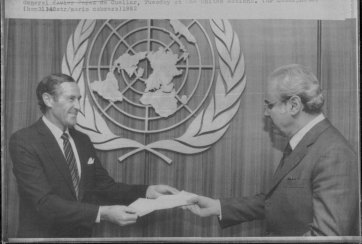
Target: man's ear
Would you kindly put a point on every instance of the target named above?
(296, 105)
(48, 99)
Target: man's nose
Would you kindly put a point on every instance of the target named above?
(266, 112)
(77, 104)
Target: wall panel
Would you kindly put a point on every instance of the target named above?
(339, 69)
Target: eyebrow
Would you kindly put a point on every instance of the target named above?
(74, 96)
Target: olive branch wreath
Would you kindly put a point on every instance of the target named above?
(206, 129)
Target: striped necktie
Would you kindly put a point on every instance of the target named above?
(69, 156)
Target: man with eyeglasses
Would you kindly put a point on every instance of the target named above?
(314, 190)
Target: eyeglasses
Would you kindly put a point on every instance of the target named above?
(269, 105)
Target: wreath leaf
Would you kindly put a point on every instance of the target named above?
(230, 84)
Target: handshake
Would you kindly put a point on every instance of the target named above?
(169, 198)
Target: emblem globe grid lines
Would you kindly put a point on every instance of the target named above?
(206, 128)
(150, 40)
(130, 81)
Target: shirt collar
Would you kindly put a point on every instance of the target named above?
(301, 133)
(53, 128)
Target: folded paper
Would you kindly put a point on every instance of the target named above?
(145, 206)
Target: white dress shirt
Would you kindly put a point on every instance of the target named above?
(57, 132)
(294, 141)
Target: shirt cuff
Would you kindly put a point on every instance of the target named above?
(219, 207)
(98, 219)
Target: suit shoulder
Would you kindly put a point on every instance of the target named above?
(332, 139)
(336, 136)
(25, 133)
(79, 134)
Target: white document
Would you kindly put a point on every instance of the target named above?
(145, 206)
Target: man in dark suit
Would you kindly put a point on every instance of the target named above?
(63, 188)
(314, 190)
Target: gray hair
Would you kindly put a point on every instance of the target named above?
(297, 80)
(49, 84)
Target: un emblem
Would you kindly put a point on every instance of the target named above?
(154, 77)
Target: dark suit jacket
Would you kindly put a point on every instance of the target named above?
(48, 204)
(314, 193)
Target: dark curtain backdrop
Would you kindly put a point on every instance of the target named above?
(240, 164)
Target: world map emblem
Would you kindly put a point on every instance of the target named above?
(152, 76)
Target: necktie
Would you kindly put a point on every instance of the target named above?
(286, 153)
(69, 156)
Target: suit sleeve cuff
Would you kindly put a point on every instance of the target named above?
(98, 219)
(219, 208)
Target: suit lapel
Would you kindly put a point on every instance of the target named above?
(289, 163)
(83, 157)
(299, 152)
(55, 153)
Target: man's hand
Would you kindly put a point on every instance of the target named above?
(117, 214)
(204, 206)
(155, 191)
